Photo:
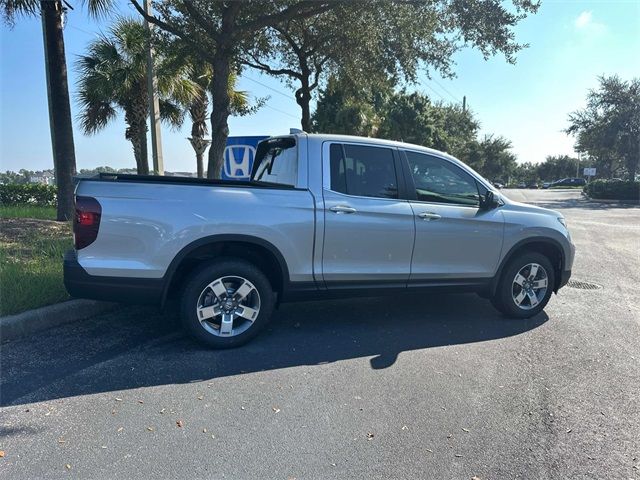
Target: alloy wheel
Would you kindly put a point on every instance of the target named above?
(529, 286)
(228, 306)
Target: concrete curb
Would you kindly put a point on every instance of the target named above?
(31, 321)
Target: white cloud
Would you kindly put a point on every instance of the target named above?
(584, 19)
(585, 23)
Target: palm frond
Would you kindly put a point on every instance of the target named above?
(99, 8)
(96, 114)
(171, 114)
(12, 9)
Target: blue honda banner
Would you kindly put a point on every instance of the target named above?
(238, 157)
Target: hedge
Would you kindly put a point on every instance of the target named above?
(613, 189)
(28, 194)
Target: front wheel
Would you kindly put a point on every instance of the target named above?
(525, 287)
(226, 303)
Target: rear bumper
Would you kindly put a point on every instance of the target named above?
(80, 284)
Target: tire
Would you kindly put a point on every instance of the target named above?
(509, 291)
(215, 293)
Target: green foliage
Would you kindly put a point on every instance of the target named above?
(392, 38)
(348, 108)
(31, 253)
(28, 211)
(608, 128)
(23, 176)
(526, 172)
(28, 194)
(491, 157)
(375, 110)
(556, 167)
(613, 189)
(11, 9)
(93, 171)
(396, 37)
(113, 76)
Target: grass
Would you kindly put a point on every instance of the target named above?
(31, 252)
(27, 211)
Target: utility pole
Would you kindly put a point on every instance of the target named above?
(464, 103)
(154, 104)
(578, 166)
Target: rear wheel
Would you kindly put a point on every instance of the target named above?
(226, 303)
(525, 287)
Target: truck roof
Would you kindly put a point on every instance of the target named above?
(324, 137)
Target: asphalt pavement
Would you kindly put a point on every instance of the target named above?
(437, 386)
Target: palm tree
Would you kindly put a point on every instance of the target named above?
(64, 157)
(201, 75)
(113, 77)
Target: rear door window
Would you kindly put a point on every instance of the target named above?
(363, 170)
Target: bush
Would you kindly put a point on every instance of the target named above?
(28, 194)
(613, 189)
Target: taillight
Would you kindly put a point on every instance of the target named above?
(86, 222)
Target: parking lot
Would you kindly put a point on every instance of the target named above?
(434, 386)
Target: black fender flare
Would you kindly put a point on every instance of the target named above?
(550, 241)
(222, 238)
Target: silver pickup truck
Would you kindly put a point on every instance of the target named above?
(322, 216)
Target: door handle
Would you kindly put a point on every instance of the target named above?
(429, 216)
(343, 209)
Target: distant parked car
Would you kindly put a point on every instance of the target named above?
(522, 185)
(569, 182)
(498, 185)
(546, 185)
(533, 185)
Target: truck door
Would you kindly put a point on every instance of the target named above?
(369, 231)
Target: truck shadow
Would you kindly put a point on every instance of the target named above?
(583, 203)
(140, 347)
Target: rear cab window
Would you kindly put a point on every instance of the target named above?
(276, 162)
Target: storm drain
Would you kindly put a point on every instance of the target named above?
(583, 285)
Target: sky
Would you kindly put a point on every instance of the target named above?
(571, 43)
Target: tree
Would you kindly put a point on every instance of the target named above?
(61, 126)
(179, 56)
(376, 110)
(415, 119)
(350, 39)
(298, 49)
(497, 160)
(526, 172)
(408, 118)
(557, 167)
(608, 128)
(113, 76)
(350, 108)
(217, 31)
(202, 75)
(393, 37)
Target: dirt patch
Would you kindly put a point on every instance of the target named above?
(24, 231)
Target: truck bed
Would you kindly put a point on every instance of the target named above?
(161, 179)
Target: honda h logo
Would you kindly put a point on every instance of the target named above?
(238, 160)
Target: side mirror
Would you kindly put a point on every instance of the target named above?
(489, 202)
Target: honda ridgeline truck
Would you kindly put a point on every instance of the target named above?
(321, 216)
